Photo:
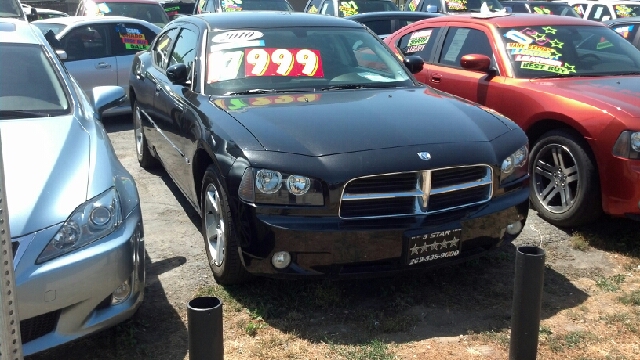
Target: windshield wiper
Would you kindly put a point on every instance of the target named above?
(568, 75)
(358, 86)
(22, 114)
(263, 91)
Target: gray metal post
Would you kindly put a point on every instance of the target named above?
(10, 343)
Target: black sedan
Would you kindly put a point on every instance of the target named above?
(309, 149)
(384, 23)
(540, 7)
(627, 28)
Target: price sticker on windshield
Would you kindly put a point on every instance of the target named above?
(283, 62)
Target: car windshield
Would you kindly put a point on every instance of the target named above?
(474, 6)
(299, 59)
(10, 9)
(21, 97)
(153, 13)
(627, 10)
(348, 8)
(46, 26)
(548, 9)
(559, 51)
(239, 5)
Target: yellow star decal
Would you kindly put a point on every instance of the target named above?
(539, 36)
(556, 43)
(570, 68)
(549, 30)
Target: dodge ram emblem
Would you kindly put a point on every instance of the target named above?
(424, 155)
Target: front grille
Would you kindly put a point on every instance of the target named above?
(417, 192)
(41, 325)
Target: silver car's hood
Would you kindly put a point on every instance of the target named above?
(46, 167)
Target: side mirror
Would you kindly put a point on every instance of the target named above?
(414, 63)
(62, 55)
(475, 62)
(33, 15)
(432, 8)
(107, 97)
(177, 73)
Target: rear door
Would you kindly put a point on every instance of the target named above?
(89, 57)
(422, 42)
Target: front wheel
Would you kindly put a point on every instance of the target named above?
(145, 158)
(565, 188)
(219, 234)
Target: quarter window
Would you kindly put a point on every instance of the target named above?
(463, 41)
(162, 47)
(420, 42)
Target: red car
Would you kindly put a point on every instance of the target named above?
(573, 85)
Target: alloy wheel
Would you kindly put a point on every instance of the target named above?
(556, 178)
(138, 132)
(214, 225)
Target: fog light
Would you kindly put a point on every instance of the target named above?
(515, 228)
(281, 259)
(121, 294)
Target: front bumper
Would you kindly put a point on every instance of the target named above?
(621, 192)
(330, 247)
(70, 296)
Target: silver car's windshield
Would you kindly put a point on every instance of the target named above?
(10, 9)
(153, 13)
(289, 59)
(29, 86)
(46, 26)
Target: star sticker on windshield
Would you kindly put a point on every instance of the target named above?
(539, 36)
(414, 249)
(556, 43)
(554, 53)
(570, 68)
(549, 30)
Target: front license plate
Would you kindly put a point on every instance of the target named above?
(433, 246)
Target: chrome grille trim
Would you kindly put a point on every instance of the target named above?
(423, 191)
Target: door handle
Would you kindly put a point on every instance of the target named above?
(103, 65)
(158, 88)
(435, 78)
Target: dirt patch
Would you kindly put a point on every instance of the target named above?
(590, 310)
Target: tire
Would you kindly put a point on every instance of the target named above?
(145, 158)
(565, 188)
(218, 231)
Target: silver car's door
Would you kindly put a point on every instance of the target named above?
(89, 58)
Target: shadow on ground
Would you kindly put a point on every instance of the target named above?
(155, 322)
(617, 235)
(118, 123)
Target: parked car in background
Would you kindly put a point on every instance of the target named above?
(75, 221)
(99, 51)
(147, 10)
(177, 8)
(384, 23)
(11, 9)
(216, 6)
(540, 7)
(343, 8)
(627, 28)
(42, 14)
(452, 6)
(572, 85)
(304, 160)
(604, 10)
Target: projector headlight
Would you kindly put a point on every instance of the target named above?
(265, 186)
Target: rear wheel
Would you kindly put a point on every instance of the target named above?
(219, 234)
(145, 158)
(565, 188)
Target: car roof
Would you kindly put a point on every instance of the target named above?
(514, 19)
(269, 19)
(18, 31)
(73, 20)
(392, 14)
(622, 20)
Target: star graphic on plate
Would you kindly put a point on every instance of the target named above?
(556, 43)
(570, 68)
(434, 246)
(549, 30)
(424, 248)
(454, 242)
(414, 249)
(539, 36)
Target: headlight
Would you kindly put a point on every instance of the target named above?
(264, 186)
(513, 166)
(91, 221)
(628, 145)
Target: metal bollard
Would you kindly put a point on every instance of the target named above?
(527, 302)
(204, 322)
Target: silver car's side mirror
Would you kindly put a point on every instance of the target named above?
(62, 55)
(432, 8)
(107, 97)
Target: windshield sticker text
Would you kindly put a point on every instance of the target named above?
(237, 45)
(237, 36)
(232, 5)
(283, 62)
(518, 37)
(348, 8)
(240, 104)
(624, 30)
(563, 70)
(457, 4)
(419, 38)
(538, 60)
(223, 65)
(132, 38)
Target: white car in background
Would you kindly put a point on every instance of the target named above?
(98, 51)
(604, 10)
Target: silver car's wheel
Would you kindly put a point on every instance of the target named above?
(564, 179)
(145, 158)
(214, 225)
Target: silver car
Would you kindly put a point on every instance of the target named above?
(99, 51)
(74, 210)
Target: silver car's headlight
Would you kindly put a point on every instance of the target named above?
(264, 186)
(513, 166)
(91, 221)
(628, 145)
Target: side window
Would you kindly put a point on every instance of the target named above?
(185, 50)
(380, 27)
(327, 8)
(162, 46)
(463, 41)
(129, 38)
(627, 31)
(313, 6)
(599, 13)
(419, 43)
(86, 42)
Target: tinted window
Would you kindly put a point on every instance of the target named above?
(239, 5)
(348, 8)
(44, 27)
(380, 27)
(129, 38)
(162, 47)
(599, 13)
(46, 95)
(419, 43)
(463, 41)
(185, 49)
(153, 13)
(86, 42)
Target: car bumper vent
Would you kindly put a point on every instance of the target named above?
(416, 193)
(41, 325)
